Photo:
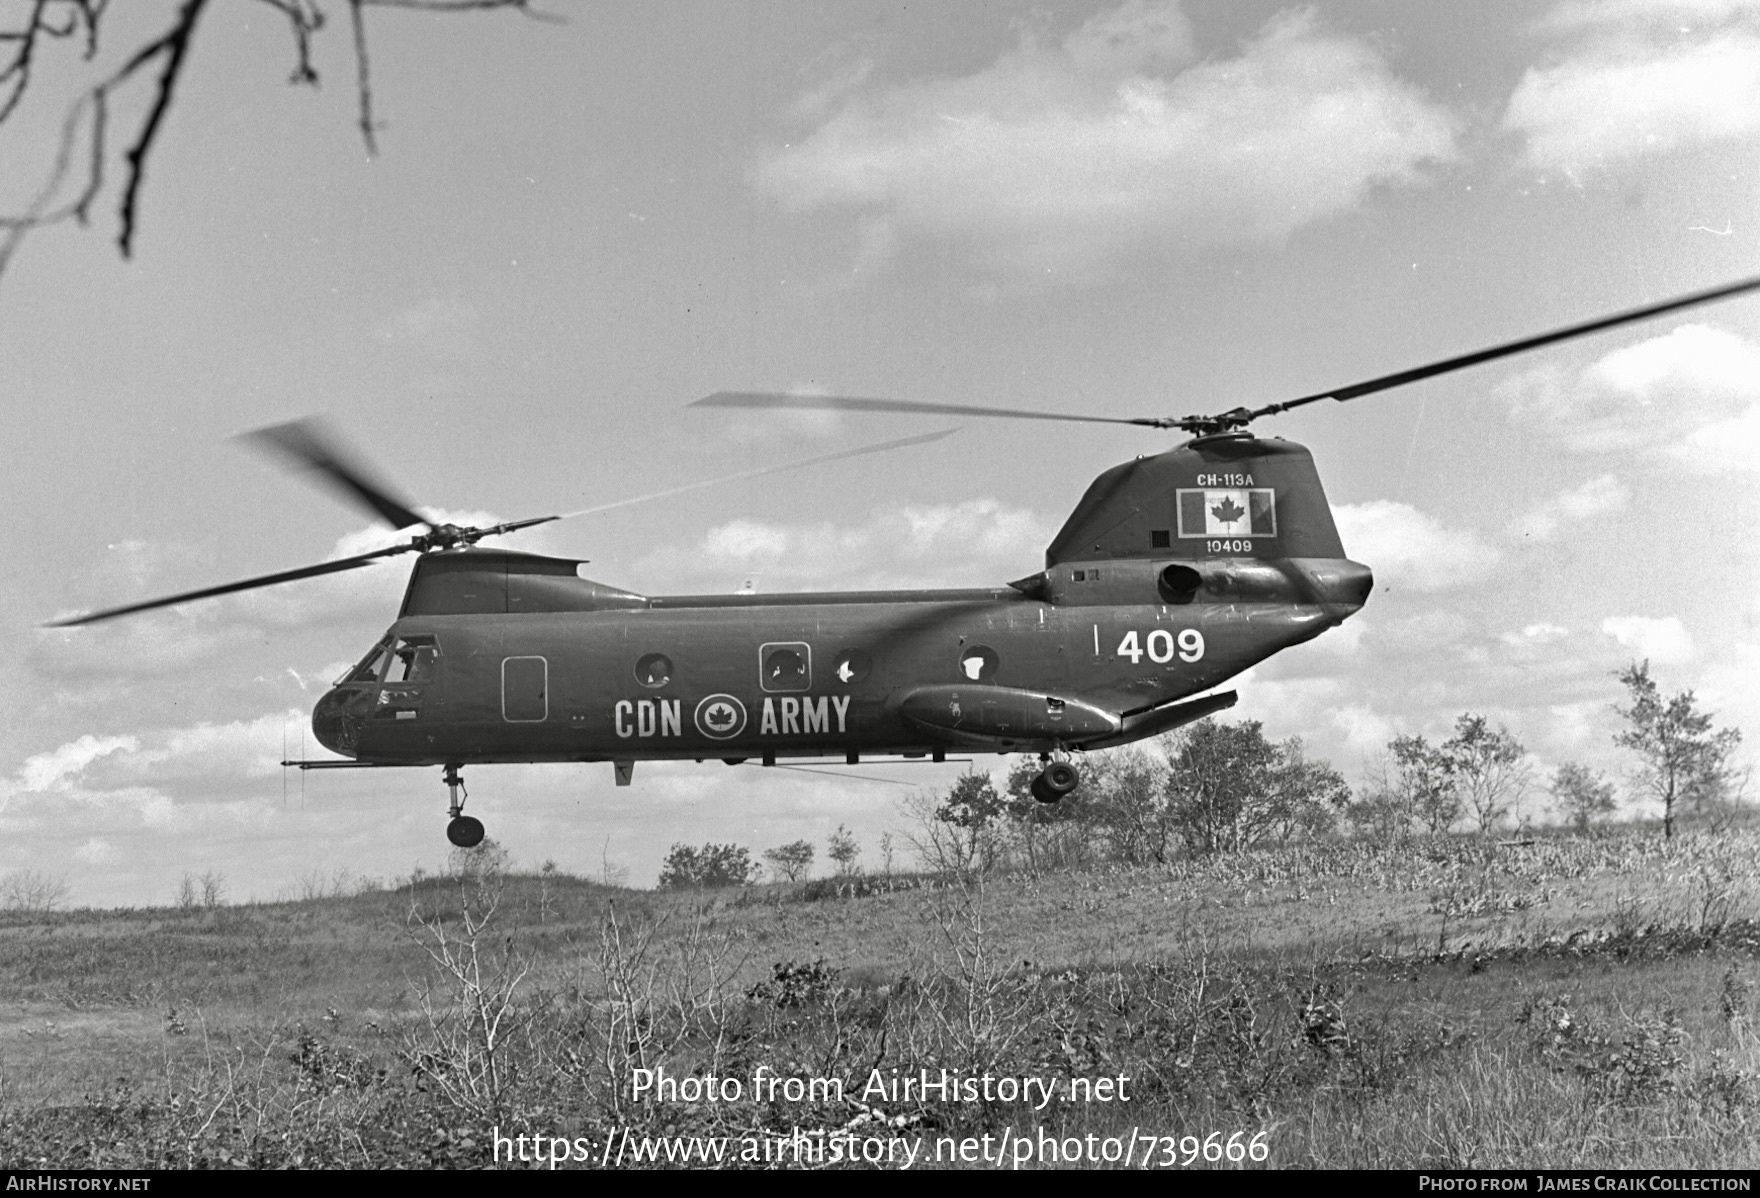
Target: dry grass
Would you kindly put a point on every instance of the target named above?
(1574, 1002)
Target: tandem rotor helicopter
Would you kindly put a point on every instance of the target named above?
(1174, 573)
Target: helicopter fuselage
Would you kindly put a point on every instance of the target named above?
(1085, 655)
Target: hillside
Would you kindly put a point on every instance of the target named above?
(1564, 1002)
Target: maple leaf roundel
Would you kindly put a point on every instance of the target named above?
(721, 717)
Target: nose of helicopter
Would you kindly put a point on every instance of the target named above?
(337, 719)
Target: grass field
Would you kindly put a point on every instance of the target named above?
(1571, 1002)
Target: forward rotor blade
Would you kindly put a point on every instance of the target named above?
(859, 451)
(851, 403)
(266, 580)
(1446, 365)
(309, 443)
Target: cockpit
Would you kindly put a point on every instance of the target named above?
(391, 683)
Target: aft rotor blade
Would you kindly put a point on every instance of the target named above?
(853, 403)
(248, 584)
(309, 443)
(859, 451)
(1460, 362)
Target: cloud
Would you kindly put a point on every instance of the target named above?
(1578, 15)
(1407, 548)
(1365, 732)
(1055, 158)
(1664, 641)
(1693, 392)
(58, 767)
(1599, 496)
(1727, 689)
(1535, 634)
(981, 542)
(95, 850)
(1639, 79)
(211, 758)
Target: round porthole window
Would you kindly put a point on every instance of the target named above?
(851, 666)
(784, 669)
(978, 663)
(654, 670)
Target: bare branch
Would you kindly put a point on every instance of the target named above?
(304, 19)
(468, 5)
(16, 73)
(173, 46)
(39, 21)
(38, 213)
(363, 76)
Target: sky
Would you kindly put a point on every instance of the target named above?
(573, 229)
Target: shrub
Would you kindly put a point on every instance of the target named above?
(712, 865)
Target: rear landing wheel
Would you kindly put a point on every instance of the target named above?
(465, 831)
(1057, 779)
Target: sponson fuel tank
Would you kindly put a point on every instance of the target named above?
(1003, 713)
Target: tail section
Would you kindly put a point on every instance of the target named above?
(1231, 494)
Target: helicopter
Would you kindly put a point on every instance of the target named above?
(1174, 572)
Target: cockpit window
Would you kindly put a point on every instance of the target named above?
(412, 661)
(371, 666)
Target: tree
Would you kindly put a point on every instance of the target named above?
(791, 862)
(1683, 764)
(712, 865)
(1228, 788)
(1051, 835)
(1380, 812)
(1127, 792)
(1306, 798)
(1582, 795)
(76, 179)
(213, 885)
(1424, 784)
(959, 831)
(31, 890)
(841, 847)
(1489, 770)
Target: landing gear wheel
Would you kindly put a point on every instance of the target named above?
(466, 832)
(1057, 779)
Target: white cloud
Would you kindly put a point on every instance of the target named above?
(56, 768)
(1627, 14)
(980, 542)
(95, 850)
(1723, 445)
(1407, 548)
(1536, 634)
(1693, 393)
(1641, 78)
(133, 771)
(1728, 691)
(1365, 731)
(1600, 496)
(1054, 157)
(1662, 640)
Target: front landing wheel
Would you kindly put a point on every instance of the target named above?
(465, 832)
